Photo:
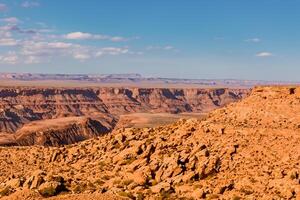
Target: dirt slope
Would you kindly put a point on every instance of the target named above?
(20, 106)
(247, 150)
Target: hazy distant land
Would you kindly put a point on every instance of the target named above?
(125, 80)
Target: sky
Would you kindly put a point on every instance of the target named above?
(212, 39)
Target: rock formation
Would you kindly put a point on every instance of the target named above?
(20, 107)
(246, 150)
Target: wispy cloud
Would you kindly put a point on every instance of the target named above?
(38, 45)
(255, 40)
(89, 36)
(111, 51)
(8, 42)
(46, 49)
(30, 4)
(11, 20)
(167, 48)
(264, 54)
(30, 51)
(3, 7)
(9, 58)
(16, 28)
(81, 56)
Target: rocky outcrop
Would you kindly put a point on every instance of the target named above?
(20, 106)
(60, 131)
(246, 150)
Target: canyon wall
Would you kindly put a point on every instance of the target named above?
(23, 105)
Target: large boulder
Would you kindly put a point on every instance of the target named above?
(51, 188)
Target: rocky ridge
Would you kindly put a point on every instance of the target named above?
(246, 150)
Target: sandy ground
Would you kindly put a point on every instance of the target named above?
(146, 120)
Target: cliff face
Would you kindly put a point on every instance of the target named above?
(246, 150)
(167, 100)
(21, 105)
(56, 132)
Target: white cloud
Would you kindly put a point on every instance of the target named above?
(117, 39)
(111, 51)
(30, 4)
(31, 48)
(11, 20)
(32, 52)
(81, 56)
(255, 40)
(47, 50)
(167, 48)
(78, 36)
(89, 36)
(59, 45)
(6, 28)
(3, 7)
(9, 58)
(5, 33)
(8, 42)
(264, 54)
(16, 28)
(32, 60)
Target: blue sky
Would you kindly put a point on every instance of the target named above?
(242, 39)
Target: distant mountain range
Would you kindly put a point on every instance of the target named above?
(135, 79)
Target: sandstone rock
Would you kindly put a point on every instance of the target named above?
(161, 186)
(14, 183)
(54, 156)
(49, 189)
(199, 193)
(35, 180)
(185, 190)
(293, 174)
(222, 188)
(142, 175)
(5, 191)
(187, 176)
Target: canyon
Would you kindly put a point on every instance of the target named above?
(248, 149)
(54, 116)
